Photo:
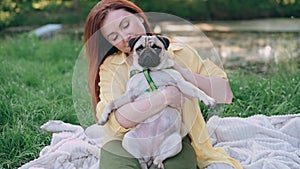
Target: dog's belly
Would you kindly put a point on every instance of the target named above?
(165, 122)
(148, 136)
(155, 134)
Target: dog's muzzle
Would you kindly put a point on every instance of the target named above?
(149, 58)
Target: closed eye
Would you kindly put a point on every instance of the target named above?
(124, 24)
(113, 37)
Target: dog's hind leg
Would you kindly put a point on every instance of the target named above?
(143, 163)
(170, 147)
(139, 148)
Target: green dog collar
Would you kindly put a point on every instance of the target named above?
(152, 85)
(149, 80)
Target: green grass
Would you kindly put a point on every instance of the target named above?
(36, 86)
(275, 94)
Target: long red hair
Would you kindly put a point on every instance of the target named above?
(97, 48)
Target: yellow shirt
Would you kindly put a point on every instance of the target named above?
(114, 74)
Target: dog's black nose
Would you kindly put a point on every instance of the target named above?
(149, 58)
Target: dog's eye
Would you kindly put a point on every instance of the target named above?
(156, 47)
(139, 49)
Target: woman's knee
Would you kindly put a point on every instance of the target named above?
(186, 159)
(114, 156)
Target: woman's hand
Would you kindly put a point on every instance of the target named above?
(136, 112)
(133, 113)
(173, 96)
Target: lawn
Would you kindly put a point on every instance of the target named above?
(36, 86)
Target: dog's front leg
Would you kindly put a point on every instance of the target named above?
(123, 99)
(189, 89)
(115, 104)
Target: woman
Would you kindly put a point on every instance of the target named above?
(109, 27)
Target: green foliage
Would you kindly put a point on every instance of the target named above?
(8, 11)
(38, 12)
(223, 9)
(190, 9)
(236, 9)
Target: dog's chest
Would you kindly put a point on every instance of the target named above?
(160, 79)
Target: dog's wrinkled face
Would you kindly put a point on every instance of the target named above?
(149, 51)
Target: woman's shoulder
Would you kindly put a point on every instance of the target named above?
(179, 49)
(116, 59)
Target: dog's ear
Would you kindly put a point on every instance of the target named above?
(164, 40)
(132, 42)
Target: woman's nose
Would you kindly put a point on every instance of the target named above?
(125, 37)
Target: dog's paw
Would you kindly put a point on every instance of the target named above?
(158, 164)
(107, 110)
(144, 166)
(143, 163)
(101, 122)
(104, 118)
(209, 102)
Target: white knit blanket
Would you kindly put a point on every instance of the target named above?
(258, 142)
(71, 147)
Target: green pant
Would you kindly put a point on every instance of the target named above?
(114, 156)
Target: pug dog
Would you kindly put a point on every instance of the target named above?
(160, 136)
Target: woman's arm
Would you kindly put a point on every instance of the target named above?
(136, 112)
(216, 87)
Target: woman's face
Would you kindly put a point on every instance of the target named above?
(119, 26)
